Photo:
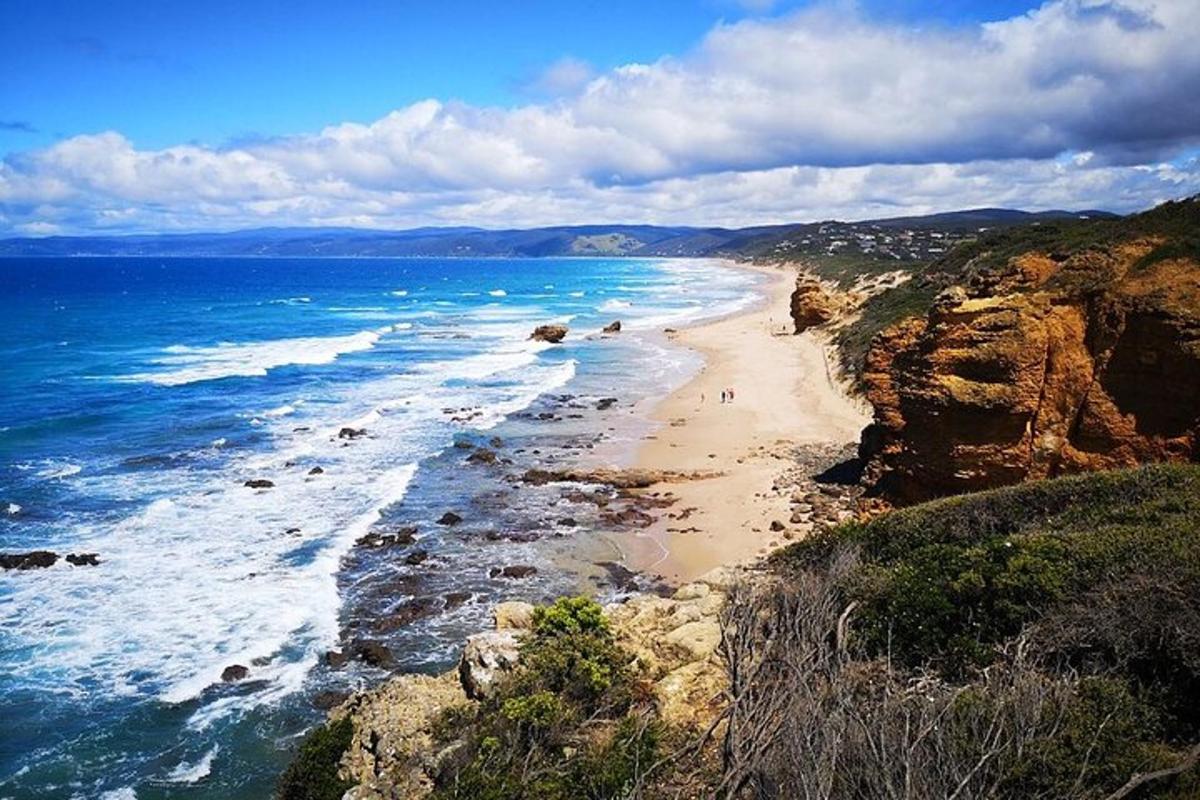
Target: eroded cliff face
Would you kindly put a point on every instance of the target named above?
(812, 304)
(1050, 365)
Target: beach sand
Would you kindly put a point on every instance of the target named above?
(784, 395)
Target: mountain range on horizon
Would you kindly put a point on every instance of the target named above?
(632, 240)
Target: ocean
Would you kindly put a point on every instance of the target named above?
(138, 397)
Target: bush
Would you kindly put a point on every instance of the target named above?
(563, 725)
(313, 774)
(946, 581)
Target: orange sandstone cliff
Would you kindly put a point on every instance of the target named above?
(1079, 354)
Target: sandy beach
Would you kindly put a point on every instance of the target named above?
(784, 396)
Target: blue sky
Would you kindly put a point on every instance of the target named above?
(139, 116)
(224, 70)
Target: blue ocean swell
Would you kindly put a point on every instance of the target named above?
(142, 393)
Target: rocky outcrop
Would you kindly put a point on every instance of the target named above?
(549, 333)
(392, 754)
(673, 642)
(35, 559)
(811, 304)
(617, 478)
(1053, 364)
(485, 658)
(613, 327)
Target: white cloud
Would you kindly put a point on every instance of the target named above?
(819, 114)
(565, 76)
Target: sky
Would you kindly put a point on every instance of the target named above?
(131, 117)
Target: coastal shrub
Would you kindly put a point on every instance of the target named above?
(812, 717)
(947, 581)
(568, 722)
(1041, 640)
(313, 773)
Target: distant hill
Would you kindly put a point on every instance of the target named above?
(781, 241)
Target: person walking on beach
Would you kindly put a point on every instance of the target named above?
(722, 395)
(729, 393)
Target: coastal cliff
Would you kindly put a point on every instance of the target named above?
(1074, 350)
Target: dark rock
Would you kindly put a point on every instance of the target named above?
(456, 599)
(316, 471)
(372, 653)
(35, 559)
(621, 577)
(613, 327)
(401, 536)
(776, 525)
(482, 456)
(259, 483)
(84, 559)
(351, 433)
(416, 557)
(326, 700)
(449, 518)
(568, 522)
(549, 333)
(234, 672)
(407, 613)
(515, 571)
(496, 441)
(336, 659)
(629, 517)
(605, 403)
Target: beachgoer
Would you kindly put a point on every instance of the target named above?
(722, 395)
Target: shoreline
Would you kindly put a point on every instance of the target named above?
(785, 396)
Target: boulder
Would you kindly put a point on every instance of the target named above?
(328, 699)
(35, 559)
(259, 483)
(513, 615)
(416, 557)
(695, 640)
(486, 657)
(233, 673)
(549, 333)
(449, 518)
(482, 456)
(84, 559)
(336, 659)
(316, 471)
(613, 327)
(515, 571)
(351, 433)
(372, 653)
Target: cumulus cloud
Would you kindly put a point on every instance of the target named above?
(818, 114)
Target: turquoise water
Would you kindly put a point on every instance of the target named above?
(139, 395)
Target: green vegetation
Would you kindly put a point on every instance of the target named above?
(568, 723)
(1086, 588)
(948, 580)
(846, 268)
(313, 774)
